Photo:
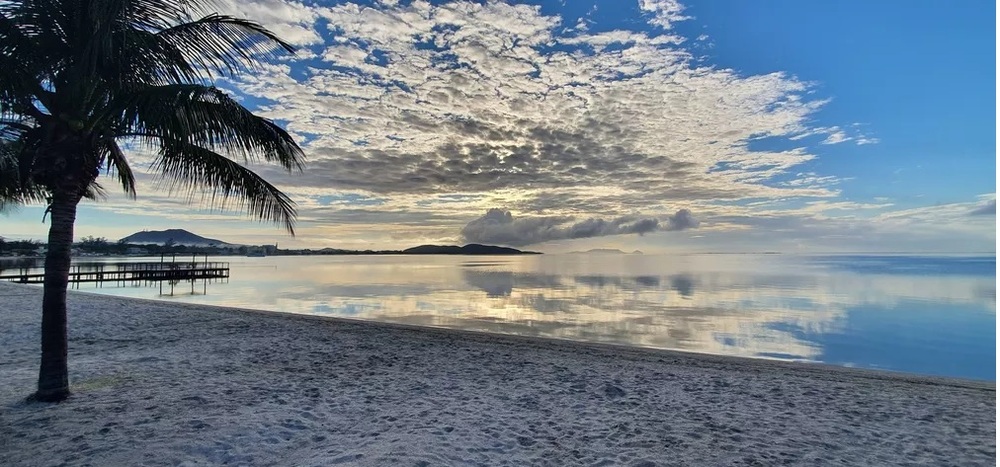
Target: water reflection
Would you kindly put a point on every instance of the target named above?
(648, 310)
(495, 283)
(935, 316)
(18, 265)
(683, 284)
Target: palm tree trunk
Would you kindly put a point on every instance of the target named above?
(53, 375)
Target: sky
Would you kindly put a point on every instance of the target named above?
(658, 125)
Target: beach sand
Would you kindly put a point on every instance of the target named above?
(159, 383)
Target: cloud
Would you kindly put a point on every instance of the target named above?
(682, 220)
(292, 21)
(412, 98)
(988, 209)
(836, 137)
(664, 12)
(499, 226)
(863, 140)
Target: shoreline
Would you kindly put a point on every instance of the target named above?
(165, 383)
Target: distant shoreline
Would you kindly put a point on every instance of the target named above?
(236, 255)
(129, 249)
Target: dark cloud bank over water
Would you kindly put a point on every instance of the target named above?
(499, 226)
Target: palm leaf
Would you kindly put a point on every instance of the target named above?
(161, 52)
(223, 43)
(198, 168)
(117, 166)
(16, 187)
(207, 117)
(19, 60)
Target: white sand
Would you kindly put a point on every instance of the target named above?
(171, 384)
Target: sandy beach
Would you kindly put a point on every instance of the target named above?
(159, 383)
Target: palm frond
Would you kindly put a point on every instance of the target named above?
(117, 166)
(14, 48)
(197, 168)
(14, 127)
(162, 52)
(16, 186)
(224, 43)
(19, 57)
(95, 192)
(207, 117)
(152, 61)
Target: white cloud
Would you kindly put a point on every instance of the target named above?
(836, 137)
(468, 97)
(292, 21)
(664, 12)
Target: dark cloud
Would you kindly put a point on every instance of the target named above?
(499, 226)
(681, 220)
(988, 209)
(485, 158)
(596, 227)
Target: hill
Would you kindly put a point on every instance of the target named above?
(177, 236)
(470, 249)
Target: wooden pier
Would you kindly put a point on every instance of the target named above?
(133, 273)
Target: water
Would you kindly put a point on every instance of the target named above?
(926, 315)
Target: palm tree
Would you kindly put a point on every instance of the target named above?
(81, 79)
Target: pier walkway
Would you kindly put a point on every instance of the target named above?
(134, 273)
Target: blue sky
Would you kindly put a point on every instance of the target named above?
(664, 126)
(920, 78)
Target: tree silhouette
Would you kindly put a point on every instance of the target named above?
(81, 79)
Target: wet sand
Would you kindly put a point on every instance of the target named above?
(159, 383)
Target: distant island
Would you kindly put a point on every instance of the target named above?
(181, 241)
(171, 236)
(470, 249)
(604, 251)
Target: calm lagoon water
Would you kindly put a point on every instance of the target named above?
(927, 315)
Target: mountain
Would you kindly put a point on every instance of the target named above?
(470, 249)
(606, 251)
(177, 236)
